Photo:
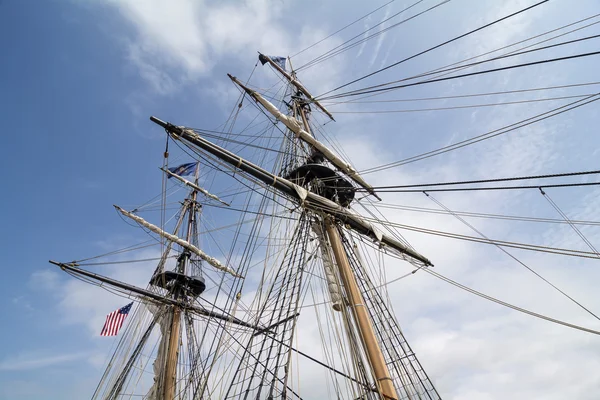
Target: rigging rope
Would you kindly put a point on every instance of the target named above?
(440, 72)
(490, 188)
(517, 178)
(465, 106)
(434, 47)
(508, 305)
(511, 45)
(523, 246)
(447, 78)
(562, 214)
(483, 215)
(340, 49)
(463, 95)
(514, 258)
(488, 135)
(341, 29)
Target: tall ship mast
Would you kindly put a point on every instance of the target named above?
(221, 328)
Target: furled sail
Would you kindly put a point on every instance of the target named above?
(294, 125)
(332, 282)
(156, 390)
(211, 260)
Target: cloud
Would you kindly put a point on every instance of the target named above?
(179, 42)
(380, 38)
(36, 360)
(45, 279)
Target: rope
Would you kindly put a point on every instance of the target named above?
(488, 135)
(447, 78)
(558, 185)
(435, 47)
(515, 258)
(516, 178)
(341, 29)
(562, 214)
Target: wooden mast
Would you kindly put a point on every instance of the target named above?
(384, 382)
(170, 385)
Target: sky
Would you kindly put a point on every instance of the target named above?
(80, 79)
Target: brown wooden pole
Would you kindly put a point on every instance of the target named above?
(172, 356)
(385, 385)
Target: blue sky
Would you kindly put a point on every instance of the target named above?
(79, 80)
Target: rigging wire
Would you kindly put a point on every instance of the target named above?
(562, 214)
(319, 97)
(508, 305)
(490, 298)
(514, 258)
(341, 29)
(482, 215)
(340, 49)
(488, 135)
(470, 189)
(465, 106)
(516, 178)
(124, 261)
(447, 78)
(511, 45)
(463, 95)
(459, 66)
(523, 246)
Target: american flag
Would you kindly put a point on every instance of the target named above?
(114, 321)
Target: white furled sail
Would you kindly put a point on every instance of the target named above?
(156, 390)
(210, 260)
(294, 125)
(332, 282)
(194, 186)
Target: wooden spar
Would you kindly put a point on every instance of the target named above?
(145, 294)
(294, 82)
(294, 125)
(384, 382)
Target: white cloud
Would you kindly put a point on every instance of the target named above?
(380, 37)
(182, 40)
(46, 279)
(32, 360)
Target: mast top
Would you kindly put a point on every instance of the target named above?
(266, 59)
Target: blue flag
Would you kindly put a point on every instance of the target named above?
(184, 169)
(279, 61)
